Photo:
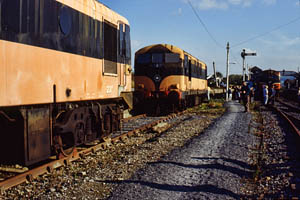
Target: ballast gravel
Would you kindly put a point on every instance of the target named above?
(196, 159)
(212, 165)
(278, 160)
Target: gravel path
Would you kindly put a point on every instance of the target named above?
(211, 166)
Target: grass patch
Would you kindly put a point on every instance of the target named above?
(213, 106)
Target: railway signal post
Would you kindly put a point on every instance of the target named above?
(244, 54)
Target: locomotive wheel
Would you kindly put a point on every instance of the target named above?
(66, 144)
(79, 133)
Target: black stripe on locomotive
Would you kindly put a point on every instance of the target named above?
(52, 25)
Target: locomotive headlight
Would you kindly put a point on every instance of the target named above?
(157, 78)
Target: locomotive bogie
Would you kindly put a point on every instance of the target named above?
(33, 133)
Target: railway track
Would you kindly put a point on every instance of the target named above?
(290, 112)
(12, 176)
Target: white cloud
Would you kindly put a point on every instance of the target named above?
(249, 50)
(219, 4)
(179, 11)
(269, 2)
(135, 44)
(235, 2)
(290, 41)
(210, 4)
(243, 3)
(247, 3)
(282, 41)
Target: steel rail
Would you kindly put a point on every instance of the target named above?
(49, 167)
(286, 116)
(288, 105)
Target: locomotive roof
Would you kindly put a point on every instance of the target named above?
(95, 9)
(165, 47)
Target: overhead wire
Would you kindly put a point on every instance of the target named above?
(234, 58)
(245, 41)
(267, 32)
(204, 26)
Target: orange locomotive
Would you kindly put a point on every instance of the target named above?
(64, 67)
(168, 78)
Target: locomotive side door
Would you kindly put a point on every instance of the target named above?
(186, 64)
(187, 72)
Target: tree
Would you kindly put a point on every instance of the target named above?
(235, 79)
(219, 74)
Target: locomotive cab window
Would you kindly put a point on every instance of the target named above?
(10, 20)
(200, 69)
(124, 43)
(65, 20)
(121, 41)
(186, 64)
(172, 58)
(110, 48)
(144, 59)
(127, 44)
(157, 58)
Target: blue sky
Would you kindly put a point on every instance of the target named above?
(276, 22)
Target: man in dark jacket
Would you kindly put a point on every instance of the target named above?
(245, 92)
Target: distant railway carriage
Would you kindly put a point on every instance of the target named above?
(266, 77)
(167, 77)
(64, 67)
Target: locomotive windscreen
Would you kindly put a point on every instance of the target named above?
(172, 58)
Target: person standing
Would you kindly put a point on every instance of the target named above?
(298, 95)
(265, 94)
(272, 95)
(239, 94)
(245, 92)
(208, 93)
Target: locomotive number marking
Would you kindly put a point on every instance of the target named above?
(109, 89)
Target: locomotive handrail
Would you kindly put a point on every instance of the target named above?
(7, 117)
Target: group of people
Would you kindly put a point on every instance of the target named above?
(246, 93)
(269, 95)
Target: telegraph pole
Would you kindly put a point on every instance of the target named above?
(214, 66)
(227, 72)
